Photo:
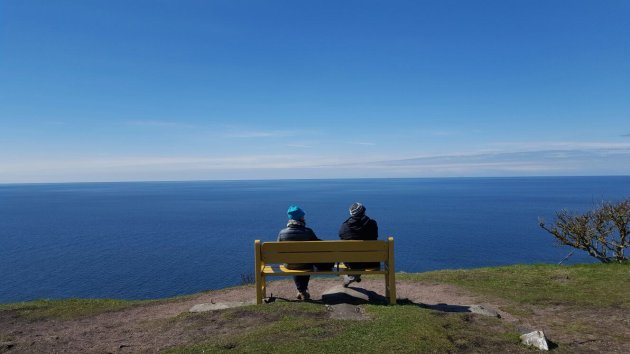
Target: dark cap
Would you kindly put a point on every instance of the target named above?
(357, 209)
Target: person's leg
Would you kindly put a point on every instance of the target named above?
(301, 283)
(348, 279)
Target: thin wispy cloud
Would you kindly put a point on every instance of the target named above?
(612, 160)
(625, 135)
(557, 145)
(169, 162)
(249, 134)
(443, 132)
(545, 159)
(362, 143)
(300, 146)
(56, 123)
(158, 124)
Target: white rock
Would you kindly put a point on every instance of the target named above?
(535, 338)
(216, 306)
(484, 311)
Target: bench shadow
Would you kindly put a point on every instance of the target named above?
(373, 298)
(442, 307)
(366, 297)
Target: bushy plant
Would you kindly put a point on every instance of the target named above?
(602, 232)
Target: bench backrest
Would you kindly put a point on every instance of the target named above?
(325, 251)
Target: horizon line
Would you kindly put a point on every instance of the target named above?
(308, 179)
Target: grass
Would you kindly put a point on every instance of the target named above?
(593, 285)
(66, 309)
(305, 328)
(407, 328)
(598, 290)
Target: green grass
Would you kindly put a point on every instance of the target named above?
(302, 327)
(66, 309)
(595, 285)
(305, 328)
(407, 328)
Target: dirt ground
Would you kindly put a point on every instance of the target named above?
(148, 328)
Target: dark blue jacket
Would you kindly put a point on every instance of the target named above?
(297, 233)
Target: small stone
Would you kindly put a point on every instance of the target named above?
(6, 345)
(480, 310)
(217, 306)
(345, 312)
(536, 339)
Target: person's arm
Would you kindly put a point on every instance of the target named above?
(281, 235)
(344, 232)
(374, 230)
(312, 236)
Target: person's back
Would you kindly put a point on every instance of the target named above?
(296, 230)
(358, 227)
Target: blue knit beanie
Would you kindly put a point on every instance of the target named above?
(295, 213)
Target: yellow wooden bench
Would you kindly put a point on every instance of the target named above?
(271, 256)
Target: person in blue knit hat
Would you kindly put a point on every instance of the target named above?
(296, 230)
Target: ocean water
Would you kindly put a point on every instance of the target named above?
(157, 239)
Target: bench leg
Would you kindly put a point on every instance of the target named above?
(391, 272)
(387, 286)
(258, 268)
(391, 288)
(259, 290)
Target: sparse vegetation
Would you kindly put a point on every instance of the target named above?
(305, 328)
(595, 285)
(248, 278)
(66, 309)
(602, 232)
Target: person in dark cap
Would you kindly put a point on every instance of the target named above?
(358, 227)
(296, 230)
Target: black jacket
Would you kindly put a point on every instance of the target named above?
(359, 228)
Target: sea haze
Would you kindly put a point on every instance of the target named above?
(159, 239)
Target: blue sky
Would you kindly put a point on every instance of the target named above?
(181, 90)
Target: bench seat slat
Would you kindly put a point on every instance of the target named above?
(324, 257)
(280, 270)
(323, 246)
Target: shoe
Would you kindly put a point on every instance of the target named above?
(303, 295)
(347, 280)
(357, 278)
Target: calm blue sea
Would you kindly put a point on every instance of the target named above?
(151, 240)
